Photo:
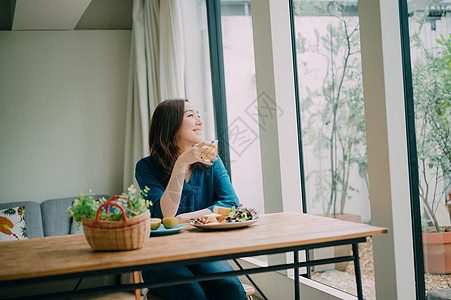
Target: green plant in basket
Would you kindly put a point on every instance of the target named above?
(134, 204)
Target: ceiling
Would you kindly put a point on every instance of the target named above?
(93, 14)
(29, 15)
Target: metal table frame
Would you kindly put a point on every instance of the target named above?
(130, 287)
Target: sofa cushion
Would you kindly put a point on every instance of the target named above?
(75, 228)
(33, 218)
(55, 219)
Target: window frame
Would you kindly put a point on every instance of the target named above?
(218, 80)
(412, 151)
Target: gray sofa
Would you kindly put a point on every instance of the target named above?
(50, 219)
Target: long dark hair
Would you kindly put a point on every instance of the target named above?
(164, 125)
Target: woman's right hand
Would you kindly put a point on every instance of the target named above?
(202, 152)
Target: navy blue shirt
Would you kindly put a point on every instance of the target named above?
(205, 189)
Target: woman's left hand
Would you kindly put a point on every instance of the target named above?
(186, 217)
(183, 218)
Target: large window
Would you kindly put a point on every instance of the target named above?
(333, 127)
(332, 123)
(430, 48)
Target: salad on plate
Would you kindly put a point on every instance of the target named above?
(242, 214)
(224, 215)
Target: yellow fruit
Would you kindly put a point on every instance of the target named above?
(155, 223)
(169, 223)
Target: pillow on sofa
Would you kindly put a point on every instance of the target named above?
(12, 224)
(75, 228)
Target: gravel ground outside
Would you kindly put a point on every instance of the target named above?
(345, 281)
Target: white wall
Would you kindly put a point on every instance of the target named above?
(197, 63)
(241, 93)
(62, 110)
(388, 170)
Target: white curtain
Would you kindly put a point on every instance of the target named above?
(172, 60)
(156, 72)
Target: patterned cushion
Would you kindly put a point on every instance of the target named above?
(12, 224)
(33, 217)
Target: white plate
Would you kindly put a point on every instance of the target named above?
(214, 226)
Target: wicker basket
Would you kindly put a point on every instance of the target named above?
(126, 234)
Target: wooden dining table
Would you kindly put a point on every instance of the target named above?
(70, 256)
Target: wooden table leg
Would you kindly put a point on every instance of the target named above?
(135, 281)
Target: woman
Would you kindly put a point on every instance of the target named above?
(186, 180)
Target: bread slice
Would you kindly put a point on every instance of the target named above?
(216, 216)
(224, 211)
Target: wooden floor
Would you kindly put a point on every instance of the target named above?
(120, 296)
(117, 296)
(131, 296)
(128, 296)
